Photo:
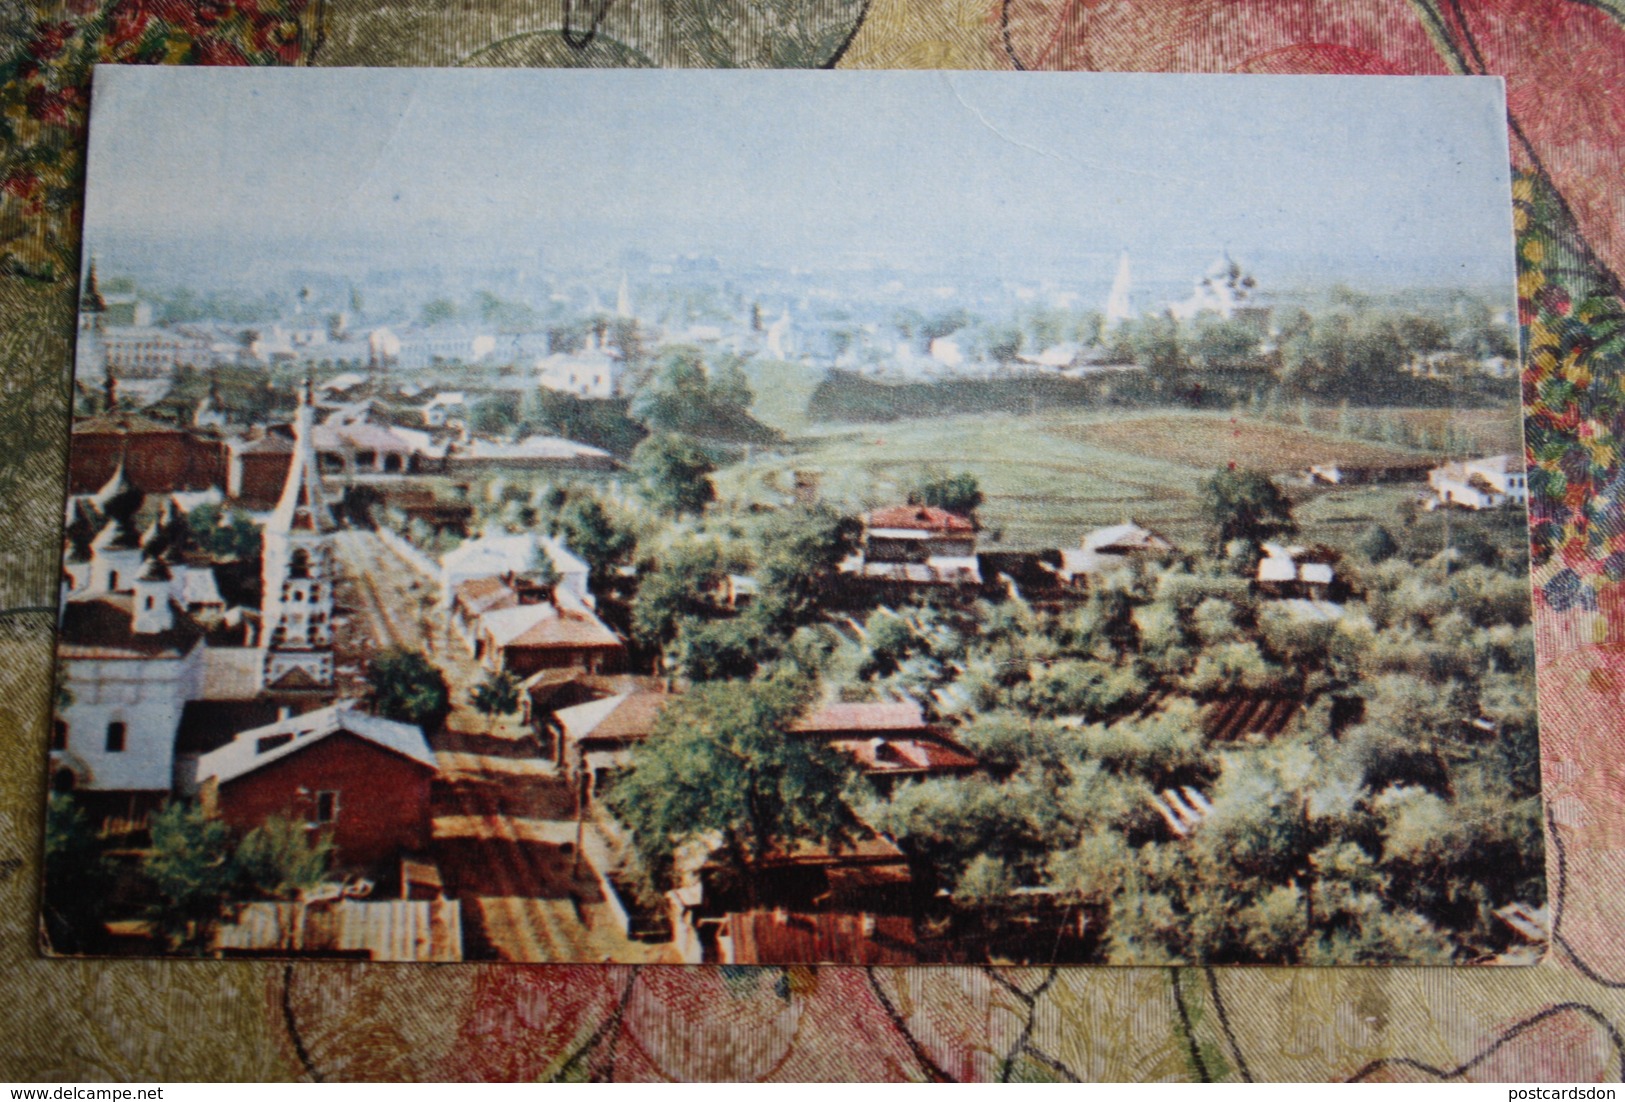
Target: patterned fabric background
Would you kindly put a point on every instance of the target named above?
(1564, 62)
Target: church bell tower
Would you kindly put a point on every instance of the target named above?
(296, 612)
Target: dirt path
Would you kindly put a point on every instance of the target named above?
(504, 834)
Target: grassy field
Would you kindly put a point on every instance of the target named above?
(782, 392)
(1208, 442)
(1051, 477)
(1485, 431)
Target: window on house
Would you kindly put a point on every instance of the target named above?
(59, 735)
(327, 807)
(115, 738)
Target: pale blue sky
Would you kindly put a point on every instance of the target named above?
(1394, 172)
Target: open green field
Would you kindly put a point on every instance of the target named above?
(1049, 478)
(782, 392)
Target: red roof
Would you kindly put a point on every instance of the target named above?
(104, 627)
(889, 716)
(482, 595)
(567, 629)
(927, 518)
(907, 756)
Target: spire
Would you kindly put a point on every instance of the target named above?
(1118, 307)
(301, 506)
(623, 300)
(92, 302)
(153, 568)
(117, 535)
(79, 531)
(116, 484)
(118, 498)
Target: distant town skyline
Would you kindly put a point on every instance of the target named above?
(993, 170)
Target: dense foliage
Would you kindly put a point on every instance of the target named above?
(403, 685)
(1387, 816)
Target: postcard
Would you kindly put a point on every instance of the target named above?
(773, 518)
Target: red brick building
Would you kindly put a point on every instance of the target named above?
(257, 469)
(362, 780)
(888, 740)
(158, 458)
(544, 635)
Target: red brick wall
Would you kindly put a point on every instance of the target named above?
(154, 462)
(383, 803)
(524, 661)
(264, 475)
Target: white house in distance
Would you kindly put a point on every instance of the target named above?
(1107, 549)
(916, 544)
(531, 453)
(1295, 571)
(1489, 483)
(590, 373)
(1223, 290)
(443, 407)
(494, 556)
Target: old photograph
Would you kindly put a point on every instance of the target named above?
(780, 518)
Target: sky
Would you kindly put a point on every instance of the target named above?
(1399, 174)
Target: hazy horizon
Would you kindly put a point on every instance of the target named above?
(1009, 173)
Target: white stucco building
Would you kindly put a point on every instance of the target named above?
(131, 658)
(1489, 483)
(493, 556)
(590, 373)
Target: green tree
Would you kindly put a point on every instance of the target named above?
(223, 535)
(601, 422)
(494, 416)
(675, 474)
(510, 317)
(543, 570)
(1156, 344)
(627, 337)
(797, 551)
(958, 493)
(403, 685)
(720, 650)
(497, 695)
(1225, 345)
(1247, 506)
(986, 881)
(438, 311)
(1004, 344)
(592, 534)
(78, 878)
(683, 395)
(190, 872)
(678, 394)
(1378, 544)
(282, 857)
(719, 763)
(679, 586)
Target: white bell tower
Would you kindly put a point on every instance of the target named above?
(296, 611)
